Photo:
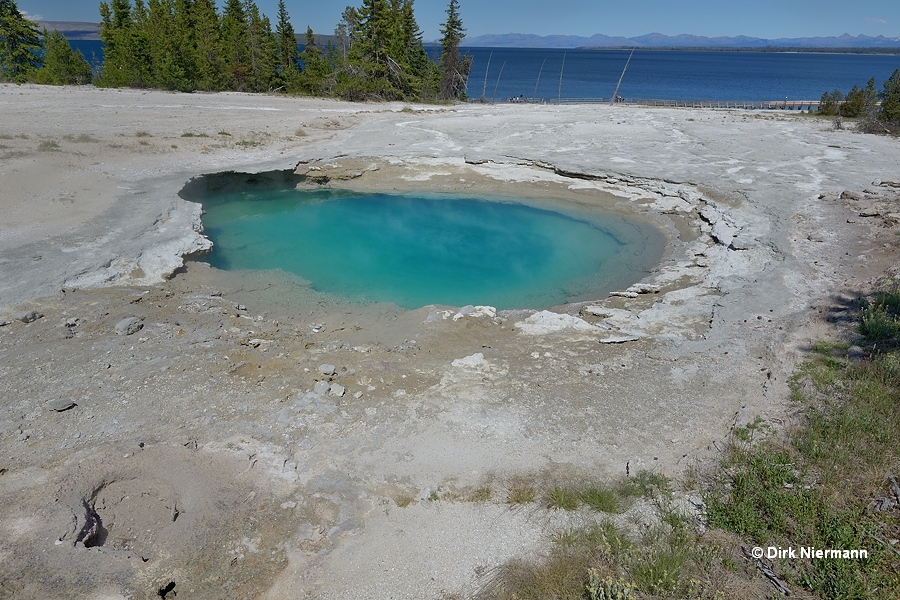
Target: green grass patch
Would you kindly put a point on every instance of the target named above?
(816, 485)
(81, 138)
(48, 146)
(823, 483)
(520, 491)
(600, 498)
(562, 498)
(644, 484)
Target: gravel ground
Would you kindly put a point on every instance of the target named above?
(245, 436)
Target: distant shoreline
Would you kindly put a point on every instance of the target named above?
(768, 49)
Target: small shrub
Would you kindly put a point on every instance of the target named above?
(880, 317)
(560, 498)
(520, 492)
(141, 134)
(660, 571)
(225, 133)
(403, 500)
(299, 132)
(81, 138)
(644, 484)
(48, 146)
(600, 499)
(607, 588)
(482, 494)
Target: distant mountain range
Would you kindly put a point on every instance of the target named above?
(74, 30)
(658, 40)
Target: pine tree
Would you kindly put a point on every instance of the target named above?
(209, 67)
(262, 50)
(420, 66)
(20, 44)
(62, 64)
(376, 54)
(235, 52)
(287, 49)
(127, 60)
(167, 68)
(890, 99)
(314, 78)
(344, 31)
(454, 67)
(184, 40)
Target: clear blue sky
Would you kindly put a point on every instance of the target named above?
(756, 18)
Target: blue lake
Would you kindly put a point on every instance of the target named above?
(655, 74)
(670, 74)
(420, 250)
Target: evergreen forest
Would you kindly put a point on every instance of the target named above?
(190, 45)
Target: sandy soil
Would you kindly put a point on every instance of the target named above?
(209, 453)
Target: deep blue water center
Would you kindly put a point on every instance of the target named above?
(427, 249)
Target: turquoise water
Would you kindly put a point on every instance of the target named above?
(416, 251)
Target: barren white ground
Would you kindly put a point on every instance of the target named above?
(208, 453)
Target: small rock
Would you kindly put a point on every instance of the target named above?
(741, 242)
(316, 327)
(848, 195)
(882, 504)
(129, 326)
(856, 353)
(72, 322)
(60, 404)
(624, 294)
(358, 395)
(28, 316)
(321, 388)
(597, 311)
(475, 311)
(4, 322)
(326, 369)
(869, 213)
(337, 390)
(816, 236)
(619, 339)
(644, 288)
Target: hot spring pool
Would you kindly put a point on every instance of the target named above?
(427, 249)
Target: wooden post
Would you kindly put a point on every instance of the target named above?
(563, 66)
(534, 96)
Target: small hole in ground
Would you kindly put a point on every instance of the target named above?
(163, 592)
